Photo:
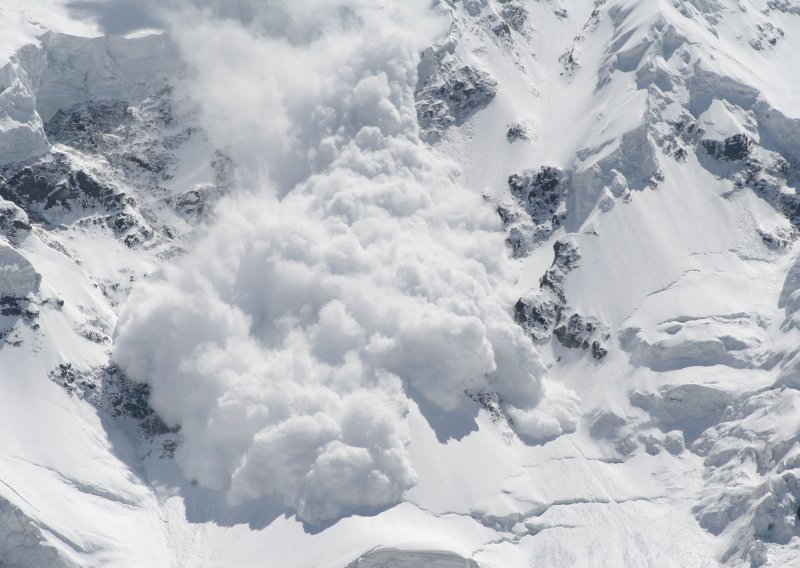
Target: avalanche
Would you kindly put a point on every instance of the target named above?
(346, 283)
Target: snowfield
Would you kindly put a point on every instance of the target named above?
(345, 283)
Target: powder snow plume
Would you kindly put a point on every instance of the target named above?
(350, 275)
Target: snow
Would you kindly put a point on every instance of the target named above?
(336, 341)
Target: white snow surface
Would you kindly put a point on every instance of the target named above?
(317, 293)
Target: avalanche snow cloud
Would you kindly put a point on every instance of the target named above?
(351, 274)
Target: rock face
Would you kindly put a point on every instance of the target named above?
(732, 149)
(545, 313)
(543, 193)
(450, 96)
(517, 131)
(94, 190)
(538, 209)
(584, 333)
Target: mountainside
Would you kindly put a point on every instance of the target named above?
(480, 283)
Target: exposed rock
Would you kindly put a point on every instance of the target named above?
(565, 260)
(580, 332)
(543, 194)
(452, 95)
(541, 310)
(56, 181)
(517, 131)
(537, 314)
(733, 148)
(523, 235)
(515, 14)
(111, 392)
(767, 35)
(86, 125)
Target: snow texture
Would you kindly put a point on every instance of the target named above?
(301, 326)
(317, 282)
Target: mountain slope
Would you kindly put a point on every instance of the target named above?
(492, 282)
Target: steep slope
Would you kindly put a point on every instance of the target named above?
(343, 363)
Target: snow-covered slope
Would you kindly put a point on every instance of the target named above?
(487, 283)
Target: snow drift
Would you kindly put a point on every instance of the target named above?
(351, 275)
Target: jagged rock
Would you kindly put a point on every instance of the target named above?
(583, 333)
(515, 15)
(85, 125)
(523, 235)
(489, 401)
(474, 7)
(537, 314)
(766, 33)
(733, 148)
(565, 261)
(787, 6)
(517, 131)
(55, 181)
(781, 238)
(451, 97)
(111, 392)
(542, 193)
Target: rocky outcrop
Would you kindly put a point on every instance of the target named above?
(452, 94)
(734, 148)
(585, 333)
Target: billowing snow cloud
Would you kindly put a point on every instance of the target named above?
(350, 273)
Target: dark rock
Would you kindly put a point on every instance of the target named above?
(491, 402)
(55, 182)
(537, 314)
(517, 131)
(502, 30)
(85, 124)
(542, 193)
(734, 148)
(515, 14)
(452, 96)
(583, 333)
(111, 392)
(565, 261)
